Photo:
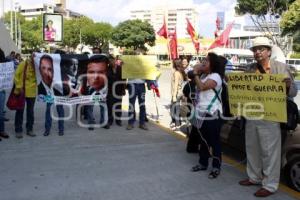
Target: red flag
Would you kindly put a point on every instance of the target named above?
(190, 29)
(223, 38)
(173, 45)
(163, 31)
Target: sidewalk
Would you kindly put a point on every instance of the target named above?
(113, 164)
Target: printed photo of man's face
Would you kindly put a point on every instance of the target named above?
(46, 70)
(96, 75)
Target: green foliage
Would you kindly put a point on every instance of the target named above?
(97, 34)
(135, 34)
(290, 21)
(295, 55)
(72, 30)
(261, 7)
(32, 35)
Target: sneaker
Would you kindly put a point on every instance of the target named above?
(4, 135)
(129, 127)
(214, 173)
(19, 135)
(46, 133)
(176, 128)
(106, 126)
(119, 123)
(60, 133)
(30, 133)
(172, 125)
(144, 127)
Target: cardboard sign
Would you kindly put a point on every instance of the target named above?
(258, 96)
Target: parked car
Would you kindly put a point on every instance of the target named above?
(233, 134)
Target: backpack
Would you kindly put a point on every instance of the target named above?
(224, 100)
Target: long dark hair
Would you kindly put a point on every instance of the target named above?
(215, 64)
(177, 65)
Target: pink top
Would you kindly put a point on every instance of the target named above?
(49, 34)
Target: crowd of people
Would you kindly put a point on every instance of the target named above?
(200, 88)
(200, 85)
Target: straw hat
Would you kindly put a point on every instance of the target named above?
(261, 41)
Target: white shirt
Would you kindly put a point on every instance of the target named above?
(48, 90)
(208, 97)
(136, 81)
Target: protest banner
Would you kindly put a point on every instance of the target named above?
(140, 67)
(6, 75)
(71, 78)
(259, 96)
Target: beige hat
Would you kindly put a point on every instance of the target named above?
(261, 41)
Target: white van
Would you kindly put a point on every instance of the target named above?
(294, 62)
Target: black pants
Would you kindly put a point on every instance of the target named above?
(114, 106)
(210, 132)
(193, 142)
(29, 116)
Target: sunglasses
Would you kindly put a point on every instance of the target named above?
(259, 49)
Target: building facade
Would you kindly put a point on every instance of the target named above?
(59, 7)
(175, 18)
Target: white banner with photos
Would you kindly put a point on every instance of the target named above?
(6, 75)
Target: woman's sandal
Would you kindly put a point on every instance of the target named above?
(197, 168)
(214, 174)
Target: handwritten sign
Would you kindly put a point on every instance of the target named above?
(140, 67)
(258, 96)
(6, 75)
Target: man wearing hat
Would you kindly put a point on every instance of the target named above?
(263, 138)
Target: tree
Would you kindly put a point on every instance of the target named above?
(135, 34)
(97, 34)
(290, 24)
(73, 29)
(263, 11)
(32, 35)
(31, 31)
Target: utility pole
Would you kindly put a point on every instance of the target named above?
(20, 36)
(16, 23)
(11, 20)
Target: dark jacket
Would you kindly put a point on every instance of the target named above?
(115, 77)
(42, 90)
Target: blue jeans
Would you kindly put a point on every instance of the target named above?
(29, 116)
(48, 118)
(103, 114)
(2, 104)
(136, 90)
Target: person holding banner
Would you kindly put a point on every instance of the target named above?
(263, 138)
(116, 90)
(25, 82)
(46, 89)
(2, 103)
(208, 80)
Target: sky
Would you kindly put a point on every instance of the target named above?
(119, 10)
